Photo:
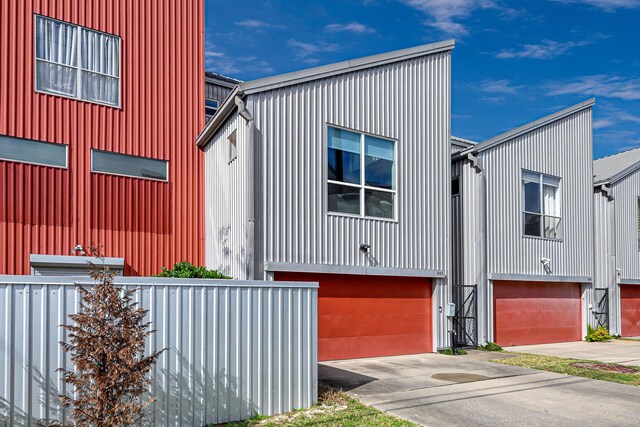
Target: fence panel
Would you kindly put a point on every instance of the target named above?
(234, 348)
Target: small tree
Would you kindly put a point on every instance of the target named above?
(107, 350)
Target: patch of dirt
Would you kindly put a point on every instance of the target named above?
(607, 367)
(460, 377)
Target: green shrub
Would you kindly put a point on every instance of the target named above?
(189, 271)
(451, 352)
(597, 334)
(491, 346)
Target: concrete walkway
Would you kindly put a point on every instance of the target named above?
(438, 390)
(616, 351)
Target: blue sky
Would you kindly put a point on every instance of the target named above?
(514, 61)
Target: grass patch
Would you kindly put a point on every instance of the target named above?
(564, 366)
(491, 346)
(452, 352)
(334, 408)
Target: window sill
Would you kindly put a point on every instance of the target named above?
(368, 218)
(546, 239)
(88, 101)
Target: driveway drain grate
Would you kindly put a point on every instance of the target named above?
(460, 377)
(607, 367)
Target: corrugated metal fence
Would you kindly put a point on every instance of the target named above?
(235, 348)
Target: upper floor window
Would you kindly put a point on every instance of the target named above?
(541, 205)
(210, 107)
(77, 62)
(361, 174)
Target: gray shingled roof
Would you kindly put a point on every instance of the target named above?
(615, 167)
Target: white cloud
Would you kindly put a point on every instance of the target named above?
(351, 27)
(443, 14)
(502, 86)
(546, 49)
(608, 5)
(305, 51)
(598, 85)
(222, 63)
(602, 123)
(257, 24)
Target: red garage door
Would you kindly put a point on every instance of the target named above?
(536, 313)
(630, 310)
(367, 316)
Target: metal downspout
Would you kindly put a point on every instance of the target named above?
(483, 320)
(250, 200)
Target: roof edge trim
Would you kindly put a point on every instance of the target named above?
(288, 79)
(531, 126)
(219, 118)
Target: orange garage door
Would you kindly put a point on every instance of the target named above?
(630, 310)
(536, 313)
(367, 316)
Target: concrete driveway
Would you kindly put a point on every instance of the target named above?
(438, 390)
(616, 351)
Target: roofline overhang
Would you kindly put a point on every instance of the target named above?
(219, 117)
(324, 71)
(620, 175)
(526, 128)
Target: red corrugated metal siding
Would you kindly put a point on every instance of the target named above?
(536, 312)
(630, 310)
(368, 316)
(47, 210)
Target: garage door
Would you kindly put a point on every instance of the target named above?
(367, 316)
(630, 310)
(536, 313)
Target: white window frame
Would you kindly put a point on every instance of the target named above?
(166, 162)
(541, 183)
(362, 186)
(205, 107)
(78, 68)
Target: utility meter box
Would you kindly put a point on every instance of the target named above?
(450, 310)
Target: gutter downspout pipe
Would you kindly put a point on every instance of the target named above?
(250, 193)
(483, 316)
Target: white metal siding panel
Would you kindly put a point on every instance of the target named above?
(234, 348)
(216, 91)
(408, 101)
(457, 232)
(226, 203)
(625, 193)
(563, 149)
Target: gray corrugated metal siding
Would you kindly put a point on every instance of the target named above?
(234, 348)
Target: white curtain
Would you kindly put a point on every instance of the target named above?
(100, 67)
(56, 57)
(551, 199)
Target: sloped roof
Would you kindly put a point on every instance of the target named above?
(324, 71)
(615, 167)
(497, 140)
(226, 80)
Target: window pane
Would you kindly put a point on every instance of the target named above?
(379, 163)
(210, 107)
(532, 225)
(29, 151)
(531, 196)
(56, 42)
(56, 78)
(100, 53)
(378, 204)
(551, 198)
(552, 227)
(122, 164)
(96, 87)
(344, 199)
(343, 155)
